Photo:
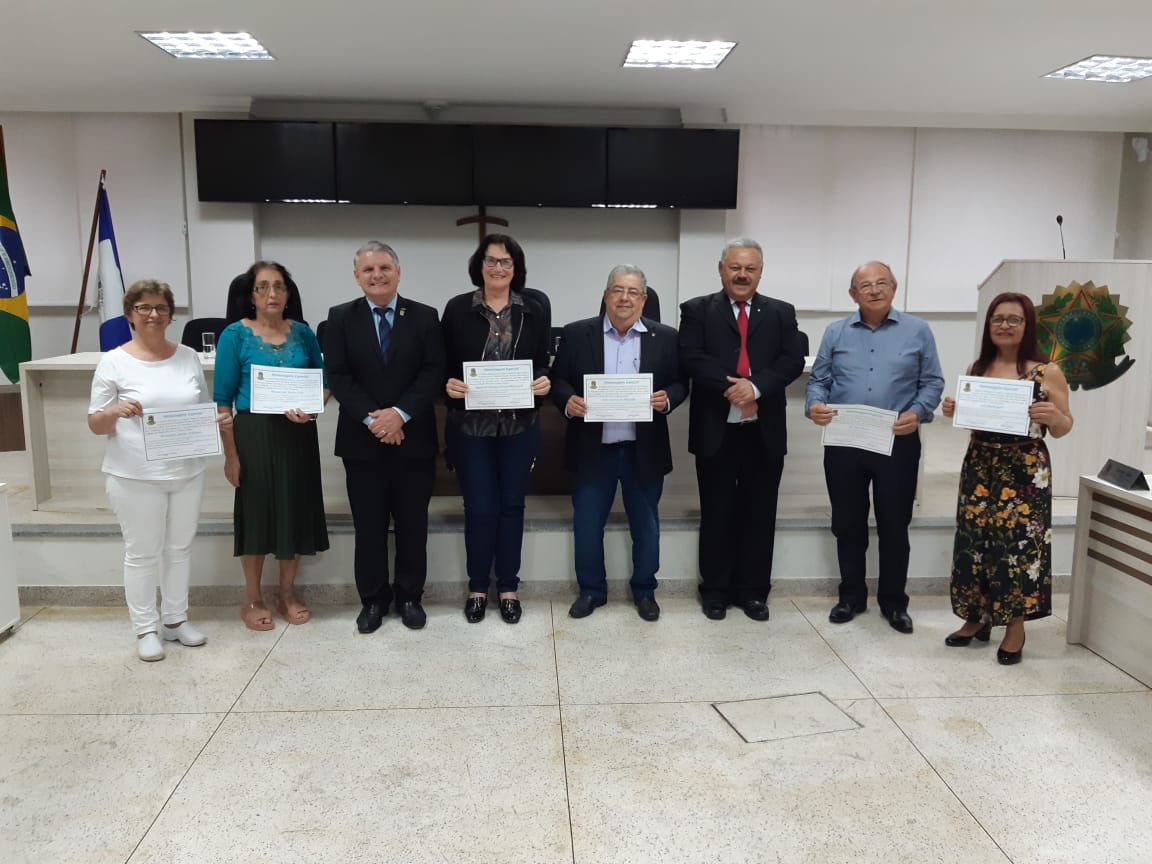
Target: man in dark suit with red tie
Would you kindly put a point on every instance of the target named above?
(740, 349)
(385, 362)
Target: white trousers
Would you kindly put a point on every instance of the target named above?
(158, 519)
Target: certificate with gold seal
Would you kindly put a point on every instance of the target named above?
(180, 433)
(618, 398)
(498, 385)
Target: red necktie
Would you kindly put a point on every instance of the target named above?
(743, 365)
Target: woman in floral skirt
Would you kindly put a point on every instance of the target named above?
(1002, 556)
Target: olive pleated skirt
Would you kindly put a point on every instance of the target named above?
(279, 506)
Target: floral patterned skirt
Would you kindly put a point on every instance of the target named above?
(1002, 556)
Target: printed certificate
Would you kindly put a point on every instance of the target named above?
(276, 389)
(180, 433)
(618, 398)
(993, 404)
(862, 427)
(498, 384)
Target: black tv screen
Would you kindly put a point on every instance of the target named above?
(687, 168)
(552, 166)
(401, 163)
(259, 160)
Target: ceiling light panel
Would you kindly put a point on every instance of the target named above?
(671, 54)
(1102, 67)
(209, 46)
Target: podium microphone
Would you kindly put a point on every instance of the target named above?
(1060, 225)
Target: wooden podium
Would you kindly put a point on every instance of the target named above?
(1097, 316)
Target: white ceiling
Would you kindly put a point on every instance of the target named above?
(841, 62)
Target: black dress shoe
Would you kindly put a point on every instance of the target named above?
(510, 611)
(584, 606)
(647, 608)
(899, 619)
(716, 611)
(757, 610)
(413, 615)
(958, 640)
(370, 618)
(474, 609)
(1009, 658)
(843, 612)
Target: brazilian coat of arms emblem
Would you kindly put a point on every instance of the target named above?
(1083, 329)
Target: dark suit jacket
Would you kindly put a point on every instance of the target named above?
(709, 352)
(362, 383)
(582, 353)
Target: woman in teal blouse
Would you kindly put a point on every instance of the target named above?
(273, 460)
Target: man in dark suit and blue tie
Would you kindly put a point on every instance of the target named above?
(385, 361)
(633, 455)
(740, 349)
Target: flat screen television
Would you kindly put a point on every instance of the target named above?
(262, 160)
(550, 166)
(686, 168)
(403, 163)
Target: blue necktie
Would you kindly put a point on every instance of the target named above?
(385, 330)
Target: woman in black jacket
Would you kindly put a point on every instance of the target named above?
(493, 450)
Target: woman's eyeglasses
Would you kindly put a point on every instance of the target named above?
(146, 310)
(1009, 320)
(502, 263)
(271, 288)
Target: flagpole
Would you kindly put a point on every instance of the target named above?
(87, 262)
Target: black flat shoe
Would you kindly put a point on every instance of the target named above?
(474, 609)
(1009, 658)
(510, 611)
(370, 618)
(584, 606)
(715, 611)
(843, 612)
(648, 609)
(757, 610)
(959, 640)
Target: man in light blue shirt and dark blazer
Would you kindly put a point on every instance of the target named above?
(633, 455)
(884, 358)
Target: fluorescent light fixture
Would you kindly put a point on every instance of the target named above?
(671, 54)
(209, 46)
(1103, 67)
(627, 206)
(307, 201)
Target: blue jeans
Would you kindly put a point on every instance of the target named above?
(593, 492)
(493, 474)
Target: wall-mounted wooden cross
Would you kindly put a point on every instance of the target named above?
(483, 220)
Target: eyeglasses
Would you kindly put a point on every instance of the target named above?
(878, 285)
(502, 263)
(630, 293)
(146, 310)
(271, 288)
(1010, 320)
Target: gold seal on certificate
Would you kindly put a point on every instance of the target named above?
(862, 427)
(180, 433)
(498, 385)
(618, 398)
(276, 389)
(993, 404)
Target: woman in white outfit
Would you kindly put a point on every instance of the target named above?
(157, 503)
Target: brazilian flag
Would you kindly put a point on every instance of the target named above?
(15, 341)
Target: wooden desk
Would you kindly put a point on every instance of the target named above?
(1110, 608)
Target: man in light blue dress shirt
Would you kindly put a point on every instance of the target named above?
(885, 358)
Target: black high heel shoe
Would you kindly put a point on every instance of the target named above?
(1010, 658)
(510, 611)
(474, 609)
(958, 640)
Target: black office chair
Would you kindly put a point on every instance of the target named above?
(320, 328)
(195, 328)
(651, 306)
(804, 342)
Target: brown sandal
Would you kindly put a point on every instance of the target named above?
(257, 617)
(293, 611)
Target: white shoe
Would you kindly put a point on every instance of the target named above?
(149, 648)
(185, 634)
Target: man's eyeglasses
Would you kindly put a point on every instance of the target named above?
(1010, 320)
(502, 263)
(146, 310)
(630, 293)
(878, 285)
(271, 288)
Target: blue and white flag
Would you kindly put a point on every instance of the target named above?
(114, 329)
